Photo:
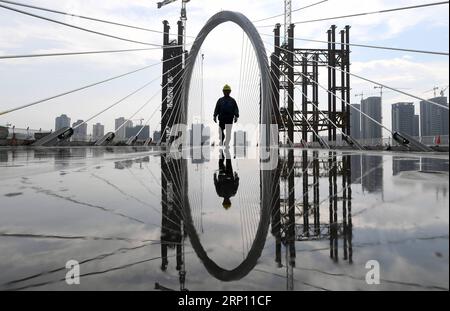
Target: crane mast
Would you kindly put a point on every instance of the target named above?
(183, 17)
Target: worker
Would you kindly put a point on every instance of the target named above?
(228, 112)
(227, 181)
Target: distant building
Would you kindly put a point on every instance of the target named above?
(416, 126)
(80, 131)
(356, 172)
(433, 165)
(240, 139)
(98, 131)
(156, 136)
(372, 173)
(355, 121)
(61, 122)
(119, 123)
(403, 118)
(206, 135)
(199, 135)
(402, 164)
(372, 107)
(144, 132)
(434, 119)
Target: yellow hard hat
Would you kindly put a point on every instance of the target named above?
(227, 88)
(226, 205)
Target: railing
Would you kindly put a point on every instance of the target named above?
(84, 139)
(23, 134)
(382, 142)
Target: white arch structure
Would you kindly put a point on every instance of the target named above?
(266, 177)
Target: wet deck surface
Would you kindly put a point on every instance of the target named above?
(112, 211)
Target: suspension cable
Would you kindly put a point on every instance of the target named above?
(368, 46)
(367, 13)
(79, 28)
(301, 113)
(84, 87)
(83, 17)
(377, 83)
(282, 14)
(154, 112)
(148, 101)
(320, 111)
(74, 53)
(342, 100)
(291, 117)
(119, 101)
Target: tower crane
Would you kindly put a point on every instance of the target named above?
(183, 17)
(433, 90)
(140, 120)
(360, 95)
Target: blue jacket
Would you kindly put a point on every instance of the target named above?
(226, 109)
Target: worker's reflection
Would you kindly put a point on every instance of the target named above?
(226, 180)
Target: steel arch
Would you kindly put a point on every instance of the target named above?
(267, 177)
(247, 26)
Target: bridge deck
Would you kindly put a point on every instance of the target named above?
(103, 206)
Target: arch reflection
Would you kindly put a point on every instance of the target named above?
(306, 197)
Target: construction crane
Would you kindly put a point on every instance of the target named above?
(433, 90)
(183, 17)
(140, 120)
(381, 88)
(360, 95)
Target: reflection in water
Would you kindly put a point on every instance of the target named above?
(294, 217)
(3, 156)
(372, 182)
(401, 164)
(315, 202)
(172, 227)
(226, 180)
(433, 165)
(356, 171)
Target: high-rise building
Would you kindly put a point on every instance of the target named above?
(240, 139)
(199, 135)
(119, 123)
(402, 164)
(371, 106)
(142, 132)
(434, 119)
(355, 121)
(403, 118)
(372, 173)
(433, 165)
(416, 132)
(356, 171)
(156, 136)
(98, 131)
(195, 135)
(80, 131)
(61, 122)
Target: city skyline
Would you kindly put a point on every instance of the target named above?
(415, 129)
(416, 29)
(333, 174)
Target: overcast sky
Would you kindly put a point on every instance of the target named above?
(25, 80)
